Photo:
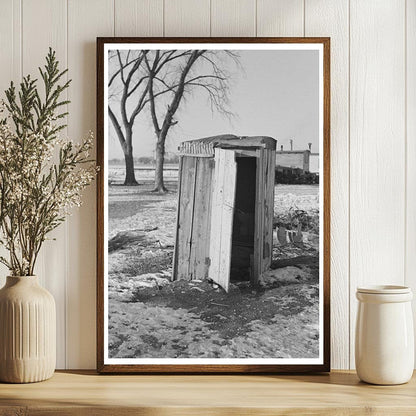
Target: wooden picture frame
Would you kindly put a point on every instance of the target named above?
(212, 147)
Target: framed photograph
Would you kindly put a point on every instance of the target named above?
(213, 205)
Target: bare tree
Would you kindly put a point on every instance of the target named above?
(173, 74)
(130, 86)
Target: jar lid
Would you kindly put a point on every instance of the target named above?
(384, 289)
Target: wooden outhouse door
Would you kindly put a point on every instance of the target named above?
(222, 214)
(263, 238)
(193, 218)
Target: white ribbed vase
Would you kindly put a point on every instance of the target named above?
(27, 331)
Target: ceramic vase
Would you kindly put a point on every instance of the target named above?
(27, 331)
(384, 341)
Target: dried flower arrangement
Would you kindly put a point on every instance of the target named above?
(41, 174)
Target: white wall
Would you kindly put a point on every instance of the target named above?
(373, 131)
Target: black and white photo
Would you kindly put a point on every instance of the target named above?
(213, 204)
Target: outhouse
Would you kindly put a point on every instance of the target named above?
(225, 209)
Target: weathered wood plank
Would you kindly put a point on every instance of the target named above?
(229, 185)
(259, 217)
(216, 218)
(222, 217)
(268, 209)
(264, 184)
(199, 260)
(175, 249)
(185, 218)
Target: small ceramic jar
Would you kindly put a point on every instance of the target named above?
(384, 352)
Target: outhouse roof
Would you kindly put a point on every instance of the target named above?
(206, 145)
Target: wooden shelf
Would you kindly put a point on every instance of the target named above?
(86, 393)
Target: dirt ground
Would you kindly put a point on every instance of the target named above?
(151, 317)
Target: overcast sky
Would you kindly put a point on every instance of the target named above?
(276, 95)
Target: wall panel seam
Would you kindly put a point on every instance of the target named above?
(405, 145)
(66, 222)
(304, 17)
(21, 39)
(210, 17)
(164, 18)
(349, 184)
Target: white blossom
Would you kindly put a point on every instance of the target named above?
(42, 177)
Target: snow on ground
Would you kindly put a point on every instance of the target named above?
(304, 197)
(149, 316)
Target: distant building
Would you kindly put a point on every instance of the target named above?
(293, 160)
(314, 163)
